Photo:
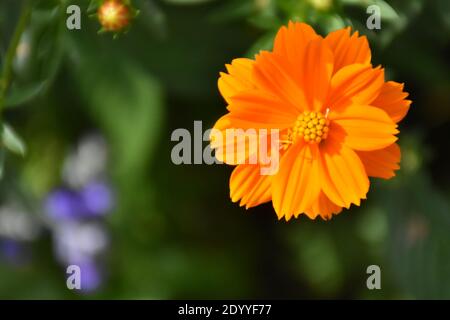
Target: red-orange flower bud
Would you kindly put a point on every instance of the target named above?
(114, 15)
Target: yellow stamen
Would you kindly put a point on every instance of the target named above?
(312, 127)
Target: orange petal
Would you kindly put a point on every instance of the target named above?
(343, 177)
(381, 163)
(248, 185)
(302, 88)
(323, 207)
(348, 49)
(238, 148)
(366, 128)
(316, 70)
(355, 83)
(291, 42)
(238, 78)
(274, 74)
(392, 100)
(262, 108)
(296, 185)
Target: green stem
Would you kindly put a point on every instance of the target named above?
(6, 74)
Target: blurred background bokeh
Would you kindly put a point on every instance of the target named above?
(90, 180)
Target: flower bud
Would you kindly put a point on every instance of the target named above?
(114, 15)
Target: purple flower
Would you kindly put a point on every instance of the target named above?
(90, 275)
(10, 249)
(13, 251)
(64, 204)
(81, 244)
(93, 200)
(75, 241)
(97, 198)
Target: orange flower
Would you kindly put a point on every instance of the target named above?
(336, 115)
(114, 15)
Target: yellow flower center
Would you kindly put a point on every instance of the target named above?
(110, 13)
(113, 15)
(312, 127)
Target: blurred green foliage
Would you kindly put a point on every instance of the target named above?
(175, 233)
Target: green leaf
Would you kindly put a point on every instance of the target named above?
(20, 96)
(387, 12)
(93, 5)
(41, 54)
(331, 22)
(12, 141)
